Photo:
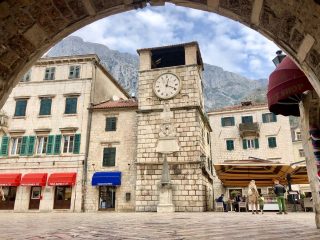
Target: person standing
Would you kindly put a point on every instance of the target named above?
(280, 190)
(253, 195)
(261, 203)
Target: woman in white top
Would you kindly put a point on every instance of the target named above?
(253, 196)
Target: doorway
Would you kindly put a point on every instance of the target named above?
(62, 197)
(8, 199)
(107, 198)
(35, 195)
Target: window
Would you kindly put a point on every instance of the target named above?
(298, 136)
(109, 157)
(250, 143)
(16, 143)
(21, 105)
(230, 145)
(42, 143)
(111, 124)
(71, 105)
(247, 119)
(301, 153)
(208, 137)
(227, 121)
(74, 72)
(49, 73)
(26, 77)
(269, 117)
(68, 143)
(45, 106)
(272, 142)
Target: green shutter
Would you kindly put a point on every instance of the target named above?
(50, 144)
(24, 144)
(57, 144)
(222, 122)
(76, 148)
(272, 142)
(244, 144)
(230, 145)
(4, 146)
(71, 105)
(21, 106)
(45, 106)
(274, 117)
(264, 119)
(256, 143)
(109, 156)
(31, 145)
(232, 121)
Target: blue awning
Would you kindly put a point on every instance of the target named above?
(106, 179)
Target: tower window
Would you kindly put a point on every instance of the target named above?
(167, 57)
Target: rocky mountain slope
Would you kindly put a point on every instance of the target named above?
(221, 88)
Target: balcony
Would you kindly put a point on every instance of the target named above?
(249, 129)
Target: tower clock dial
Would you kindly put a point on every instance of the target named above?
(167, 86)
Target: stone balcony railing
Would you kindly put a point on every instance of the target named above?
(249, 129)
(3, 120)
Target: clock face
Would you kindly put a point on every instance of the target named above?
(167, 86)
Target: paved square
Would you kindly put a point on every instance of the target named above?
(110, 225)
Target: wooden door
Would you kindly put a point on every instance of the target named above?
(62, 197)
(35, 195)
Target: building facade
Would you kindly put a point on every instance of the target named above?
(250, 143)
(248, 136)
(44, 147)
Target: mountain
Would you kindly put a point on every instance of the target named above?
(221, 88)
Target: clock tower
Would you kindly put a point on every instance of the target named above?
(170, 78)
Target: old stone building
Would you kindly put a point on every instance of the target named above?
(111, 173)
(43, 150)
(249, 142)
(170, 80)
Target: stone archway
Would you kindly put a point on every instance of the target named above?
(29, 28)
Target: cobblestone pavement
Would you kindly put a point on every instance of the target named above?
(196, 226)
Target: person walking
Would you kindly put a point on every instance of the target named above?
(253, 195)
(261, 203)
(280, 190)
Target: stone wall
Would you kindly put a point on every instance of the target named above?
(124, 140)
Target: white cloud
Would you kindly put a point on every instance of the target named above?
(223, 42)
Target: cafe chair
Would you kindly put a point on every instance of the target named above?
(243, 205)
(219, 206)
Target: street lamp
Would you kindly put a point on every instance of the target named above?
(280, 56)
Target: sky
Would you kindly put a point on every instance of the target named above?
(223, 42)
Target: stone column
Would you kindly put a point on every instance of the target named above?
(308, 118)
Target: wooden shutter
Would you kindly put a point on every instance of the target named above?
(24, 144)
(272, 142)
(230, 145)
(71, 105)
(50, 144)
(57, 144)
(20, 108)
(264, 119)
(222, 122)
(244, 143)
(109, 156)
(256, 143)
(111, 124)
(232, 121)
(274, 117)
(31, 145)
(45, 106)
(76, 148)
(4, 146)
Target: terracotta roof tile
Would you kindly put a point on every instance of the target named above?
(239, 107)
(117, 104)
